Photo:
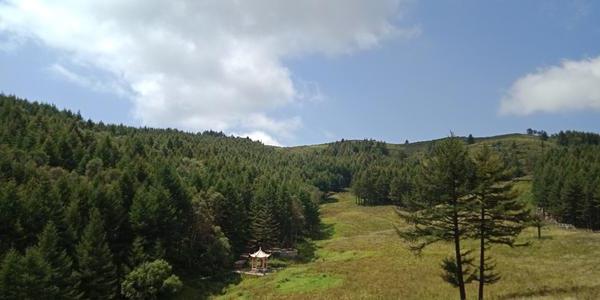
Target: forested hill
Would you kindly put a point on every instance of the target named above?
(83, 204)
(141, 194)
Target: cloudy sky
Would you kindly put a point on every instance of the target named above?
(311, 71)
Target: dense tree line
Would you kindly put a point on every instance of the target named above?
(389, 183)
(573, 138)
(84, 204)
(567, 181)
(394, 179)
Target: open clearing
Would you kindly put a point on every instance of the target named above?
(361, 257)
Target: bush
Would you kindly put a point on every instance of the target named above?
(150, 280)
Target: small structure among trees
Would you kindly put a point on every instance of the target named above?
(259, 260)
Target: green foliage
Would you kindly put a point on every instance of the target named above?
(470, 139)
(566, 181)
(152, 214)
(460, 197)
(574, 138)
(198, 200)
(264, 228)
(61, 265)
(149, 280)
(97, 271)
(187, 198)
(499, 216)
(138, 254)
(444, 207)
(26, 277)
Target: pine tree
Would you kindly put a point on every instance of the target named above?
(61, 265)
(400, 187)
(588, 208)
(570, 197)
(10, 217)
(137, 254)
(265, 229)
(26, 277)
(11, 272)
(470, 139)
(152, 214)
(596, 216)
(443, 208)
(501, 215)
(95, 261)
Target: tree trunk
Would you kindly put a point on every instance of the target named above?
(481, 251)
(539, 228)
(459, 275)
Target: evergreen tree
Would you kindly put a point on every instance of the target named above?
(401, 187)
(443, 208)
(265, 229)
(11, 209)
(570, 198)
(61, 265)
(11, 272)
(137, 254)
(470, 139)
(26, 277)
(152, 214)
(501, 215)
(95, 261)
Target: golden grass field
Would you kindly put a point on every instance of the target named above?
(363, 258)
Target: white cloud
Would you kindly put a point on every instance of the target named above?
(204, 64)
(573, 85)
(260, 136)
(87, 82)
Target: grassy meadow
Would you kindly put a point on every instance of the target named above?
(361, 257)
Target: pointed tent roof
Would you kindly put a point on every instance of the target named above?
(260, 254)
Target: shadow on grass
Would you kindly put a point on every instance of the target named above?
(548, 291)
(306, 251)
(329, 199)
(307, 248)
(326, 231)
(205, 287)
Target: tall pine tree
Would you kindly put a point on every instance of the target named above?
(95, 261)
(501, 216)
(61, 265)
(443, 208)
(26, 277)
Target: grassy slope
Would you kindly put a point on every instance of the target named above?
(526, 143)
(363, 258)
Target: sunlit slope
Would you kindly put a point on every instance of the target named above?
(361, 257)
(524, 141)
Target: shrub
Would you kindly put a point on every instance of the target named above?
(149, 280)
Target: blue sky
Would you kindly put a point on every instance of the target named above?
(311, 73)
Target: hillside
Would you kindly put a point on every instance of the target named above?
(362, 257)
(87, 208)
(525, 144)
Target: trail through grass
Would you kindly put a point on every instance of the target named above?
(363, 258)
